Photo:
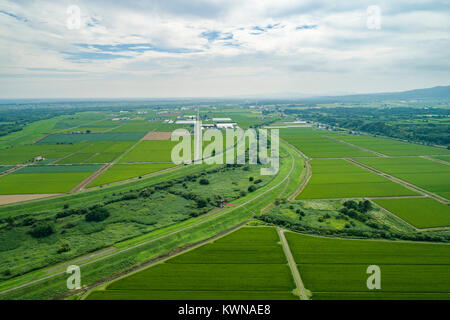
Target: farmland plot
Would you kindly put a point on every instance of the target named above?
(45, 179)
(420, 212)
(341, 179)
(336, 268)
(427, 174)
(247, 264)
(392, 147)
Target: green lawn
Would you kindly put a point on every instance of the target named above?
(237, 266)
(120, 172)
(336, 268)
(427, 174)
(341, 179)
(420, 212)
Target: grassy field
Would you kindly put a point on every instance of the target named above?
(45, 179)
(341, 179)
(427, 174)
(315, 144)
(392, 147)
(236, 266)
(120, 172)
(420, 212)
(336, 268)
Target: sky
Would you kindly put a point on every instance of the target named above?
(230, 48)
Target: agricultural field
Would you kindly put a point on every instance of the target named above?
(420, 212)
(235, 267)
(25, 153)
(338, 178)
(443, 158)
(316, 144)
(98, 152)
(392, 147)
(146, 126)
(63, 138)
(120, 172)
(427, 174)
(45, 179)
(336, 268)
(5, 168)
(150, 151)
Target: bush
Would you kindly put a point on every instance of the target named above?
(66, 206)
(250, 179)
(42, 231)
(97, 214)
(243, 193)
(257, 181)
(64, 247)
(204, 181)
(251, 188)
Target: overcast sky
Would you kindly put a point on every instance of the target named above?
(196, 48)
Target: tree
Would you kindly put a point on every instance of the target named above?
(204, 181)
(251, 188)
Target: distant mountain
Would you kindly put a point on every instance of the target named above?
(440, 92)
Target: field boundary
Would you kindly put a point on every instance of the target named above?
(357, 147)
(406, 222)
(400, 181)
(292, 265)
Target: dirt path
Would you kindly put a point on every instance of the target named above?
(91, 178)
(397, 180)
(4, 173)
(436, 160)
(292, 265)
(357, 147)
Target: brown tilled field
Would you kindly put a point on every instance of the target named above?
(157, 135)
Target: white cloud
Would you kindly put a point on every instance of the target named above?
(156, 48)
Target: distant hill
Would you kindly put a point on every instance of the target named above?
(440, 92)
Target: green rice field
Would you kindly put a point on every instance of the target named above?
(45, 179)
(427, 174)
(120, 172)
(392, 147)
(336, 268)
(63, 138)
(150, 151)
(98, 152)
(237, 266)
(337, 178)
(420, 212)
(315, 144)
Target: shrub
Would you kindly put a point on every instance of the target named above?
(97, 214)
(64, 247)
(204, 181)
(251, 179)
(42, 231)
(251, 188)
